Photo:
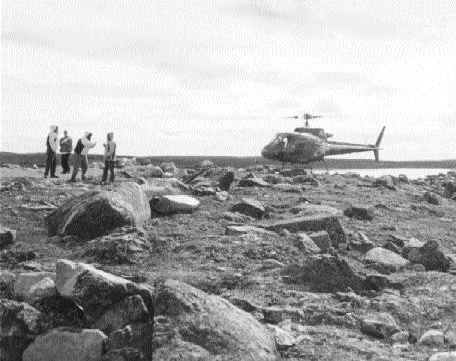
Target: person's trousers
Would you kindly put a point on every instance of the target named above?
(65, 163)
(79, 161)
(109, 165)
(51, 162)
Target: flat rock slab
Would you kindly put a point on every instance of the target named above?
(156, 187)
(95, 213)
(212, 323)
(386, 258)
(174, 204)
(67, 344)
(250, 207)
(380, 325)
(240, 230)
(360, 211)
(253, 182)
(312, 223)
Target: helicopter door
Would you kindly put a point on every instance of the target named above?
(290, 144)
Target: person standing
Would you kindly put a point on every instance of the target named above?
(52, 142)
(109, 158)
(66, 145)
(80, 156)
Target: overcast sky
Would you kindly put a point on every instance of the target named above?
(217, 77)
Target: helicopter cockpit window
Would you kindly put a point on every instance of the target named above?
(277, 140)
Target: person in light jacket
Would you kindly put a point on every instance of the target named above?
(80, 155)
(109, 158)
(52, 144)
(66, 145)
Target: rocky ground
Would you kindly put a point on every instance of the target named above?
(258, 263)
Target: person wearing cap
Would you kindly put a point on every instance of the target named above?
(52, 144)
(109, 158)
(80, 155)
(66, 145)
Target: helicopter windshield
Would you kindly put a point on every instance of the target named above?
(279, 138)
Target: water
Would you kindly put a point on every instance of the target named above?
(411, 173)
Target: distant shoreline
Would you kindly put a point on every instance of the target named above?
(29, 159)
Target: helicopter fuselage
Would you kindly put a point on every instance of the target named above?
(306, 145)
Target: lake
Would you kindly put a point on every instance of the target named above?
(411, 173)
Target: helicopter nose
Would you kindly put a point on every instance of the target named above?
(266, 153)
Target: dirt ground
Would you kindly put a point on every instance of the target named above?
(195, 249)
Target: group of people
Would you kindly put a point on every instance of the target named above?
(80, 152)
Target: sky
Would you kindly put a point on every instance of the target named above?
(219, 77)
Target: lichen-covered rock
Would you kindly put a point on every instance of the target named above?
(430, 256)
(7, 236)
(385, 258)
(24, 282)
(137, 335)
(380, 325)
(95, 213)
(20, 323)
(305, 244)
(253, 182)
(226, 181)
(432, 338)
(212, 323)
(156, 187)
(321, 239)
(95, 290)
(360, 211)
(66, 344)
(129, 310)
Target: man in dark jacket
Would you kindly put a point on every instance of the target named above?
(52, 142)
(66, 146)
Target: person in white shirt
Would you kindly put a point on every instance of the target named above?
(52, 144)
(109, 158)
(80, 156)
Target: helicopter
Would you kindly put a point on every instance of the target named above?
(306, 145)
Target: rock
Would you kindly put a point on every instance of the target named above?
(25, 281)
(328, 222)
(324, 274)
(385, 182)
(181, 350)
(240, 230)
(321, 239)
(274, 179)
(221, 196)
(271, 263)
(124, 354)
(123, 245)
(380, 325)
(385, 258)
(400, 337)
(19, 325)
(174, 204)
(403, 179)
(226, 181)
(290, 188)
(137, 335)
(398, 240)
(123, 162)
(44, 288)
(449, 189)
(450, 339)
(206, 164)
(283, 339)
(360, 211)
(250, 208)
(412, 245)
(443, 356)
(306, 244)
(362, 243)
(306, 179)
(430, 256)
(150, 171)
(431, 198)
(66, 344)
(432, 338)
(213, 323)
(168, 167)
(253, 182)
(390, 246)
(7, 236)
(129, 310)
(156, 187)
(94, 290)
(95, 213)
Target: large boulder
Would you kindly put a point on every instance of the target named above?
(20, 323)
(95, 213)
(430, 256)
(250, 207)
(212, 324)
(324, 274)
(95, 290)
(319, 219)
(67, 344)
(156, 187)
(174, 204)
